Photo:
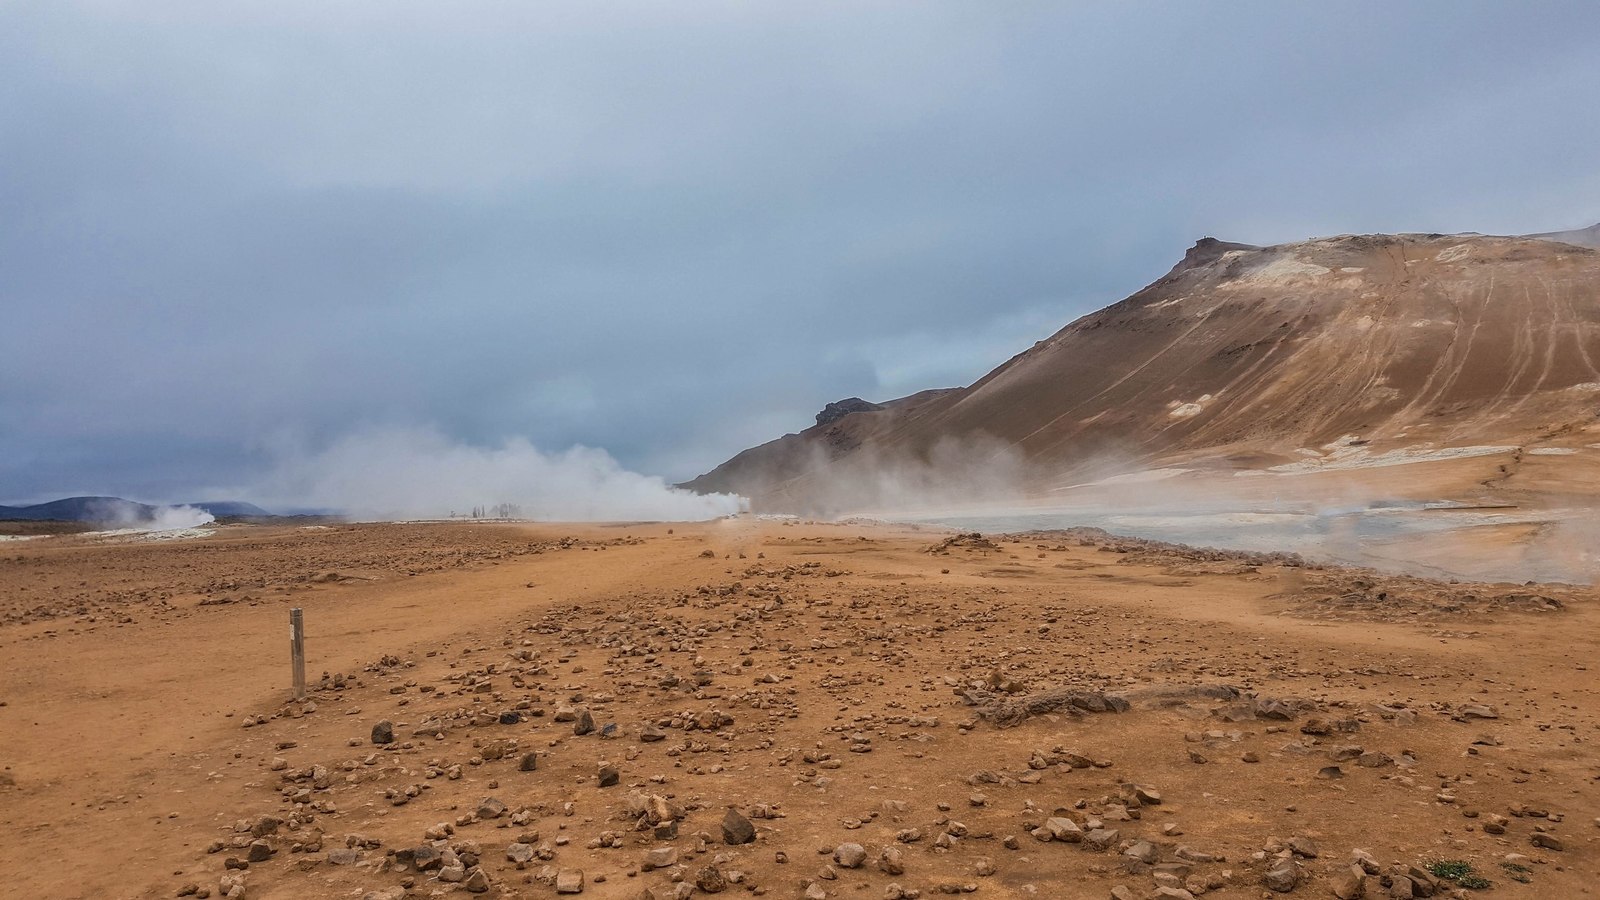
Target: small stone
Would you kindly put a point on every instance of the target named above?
(569, 881)
(1547, 840)
(659, 858)
(477, 880)
(519, 853)
(1061, 828)
(529, 762)
(1350, 883)
(1282, 876)
(850, 855)
(1144, 852)
(584, 725)
(1101, 838)
(736, 829)
(711, 880)
(383, 732)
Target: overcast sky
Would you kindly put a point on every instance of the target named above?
(234, 231)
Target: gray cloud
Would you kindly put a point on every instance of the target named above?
(672, 230)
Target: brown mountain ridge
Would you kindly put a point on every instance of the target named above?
(1244, 356)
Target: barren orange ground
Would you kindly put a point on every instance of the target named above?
(805, 675)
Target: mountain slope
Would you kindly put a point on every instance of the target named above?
(115, 510)
(1582, 237)
(1242, 356)
(80, 509)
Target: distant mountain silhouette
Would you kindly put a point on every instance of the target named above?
(81, 509)
(115, 510)
(221, 508)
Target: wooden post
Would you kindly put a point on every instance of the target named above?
(297, 651)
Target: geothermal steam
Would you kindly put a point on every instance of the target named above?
(412, 473)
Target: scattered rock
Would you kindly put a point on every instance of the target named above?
(736, 829)
(569, 881)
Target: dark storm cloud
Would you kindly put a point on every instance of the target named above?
(673, 230)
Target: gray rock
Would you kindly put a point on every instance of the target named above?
(850, 855)
(1144, 852)
(585, 723)
(711, 880)
(426, 858)
(519, 853)
(383, 732)
(1101, 838)
(659, 858)
(736, 829)
(1062, 828)
(1282, 876)
(569, 881)
(1350, 883)
(1547, 841)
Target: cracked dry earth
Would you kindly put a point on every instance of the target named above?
(785, 710)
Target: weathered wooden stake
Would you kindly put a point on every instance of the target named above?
(297, 651)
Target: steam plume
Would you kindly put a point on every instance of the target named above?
(410, 473)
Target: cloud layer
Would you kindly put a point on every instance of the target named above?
(674, 230)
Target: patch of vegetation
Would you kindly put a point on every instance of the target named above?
(1451, 869)
(1517, 872)
(1460, 872)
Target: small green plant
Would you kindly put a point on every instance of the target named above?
(1458, 871)
(1517, 872)
(1451, 869)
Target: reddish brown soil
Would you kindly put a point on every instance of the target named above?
(125, 759)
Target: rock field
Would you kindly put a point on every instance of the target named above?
(783, 709)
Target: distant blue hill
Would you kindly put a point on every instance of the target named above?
(115, 510)
(230, 508)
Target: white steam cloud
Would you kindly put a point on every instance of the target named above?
(418, 473)
(175, 518)
(124, 516)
